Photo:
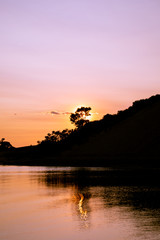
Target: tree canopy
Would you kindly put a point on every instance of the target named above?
(56, 136)
(79, 118)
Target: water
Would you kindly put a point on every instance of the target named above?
(47, 203)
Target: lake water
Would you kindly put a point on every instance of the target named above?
(47, 203)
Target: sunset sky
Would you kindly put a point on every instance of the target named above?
(56, 55)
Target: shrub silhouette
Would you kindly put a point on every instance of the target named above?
(56, 136)
(4, 145)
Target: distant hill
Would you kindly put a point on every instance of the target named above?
(129, 137)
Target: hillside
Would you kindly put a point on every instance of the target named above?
(129, 137)
(135, 136)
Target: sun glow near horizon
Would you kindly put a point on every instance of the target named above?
(91, 116)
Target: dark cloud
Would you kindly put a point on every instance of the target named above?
(59, 113)
(54, 113)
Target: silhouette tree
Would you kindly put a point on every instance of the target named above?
(79, 118)
(4, 145)
(56, 136)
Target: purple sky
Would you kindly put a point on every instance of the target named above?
(56, 55)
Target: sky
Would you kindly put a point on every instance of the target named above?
(56, 55)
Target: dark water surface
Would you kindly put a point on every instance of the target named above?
(47, 203)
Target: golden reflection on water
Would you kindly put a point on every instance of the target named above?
(79, 197)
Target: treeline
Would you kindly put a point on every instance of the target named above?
(58, 141)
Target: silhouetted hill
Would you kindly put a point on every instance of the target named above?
(129, 137)
(132, 135)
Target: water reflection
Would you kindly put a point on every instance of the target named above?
(82, 208)
(77, 180)
(84, 177)
(79, 203)
(79, 199)
(138, 191)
